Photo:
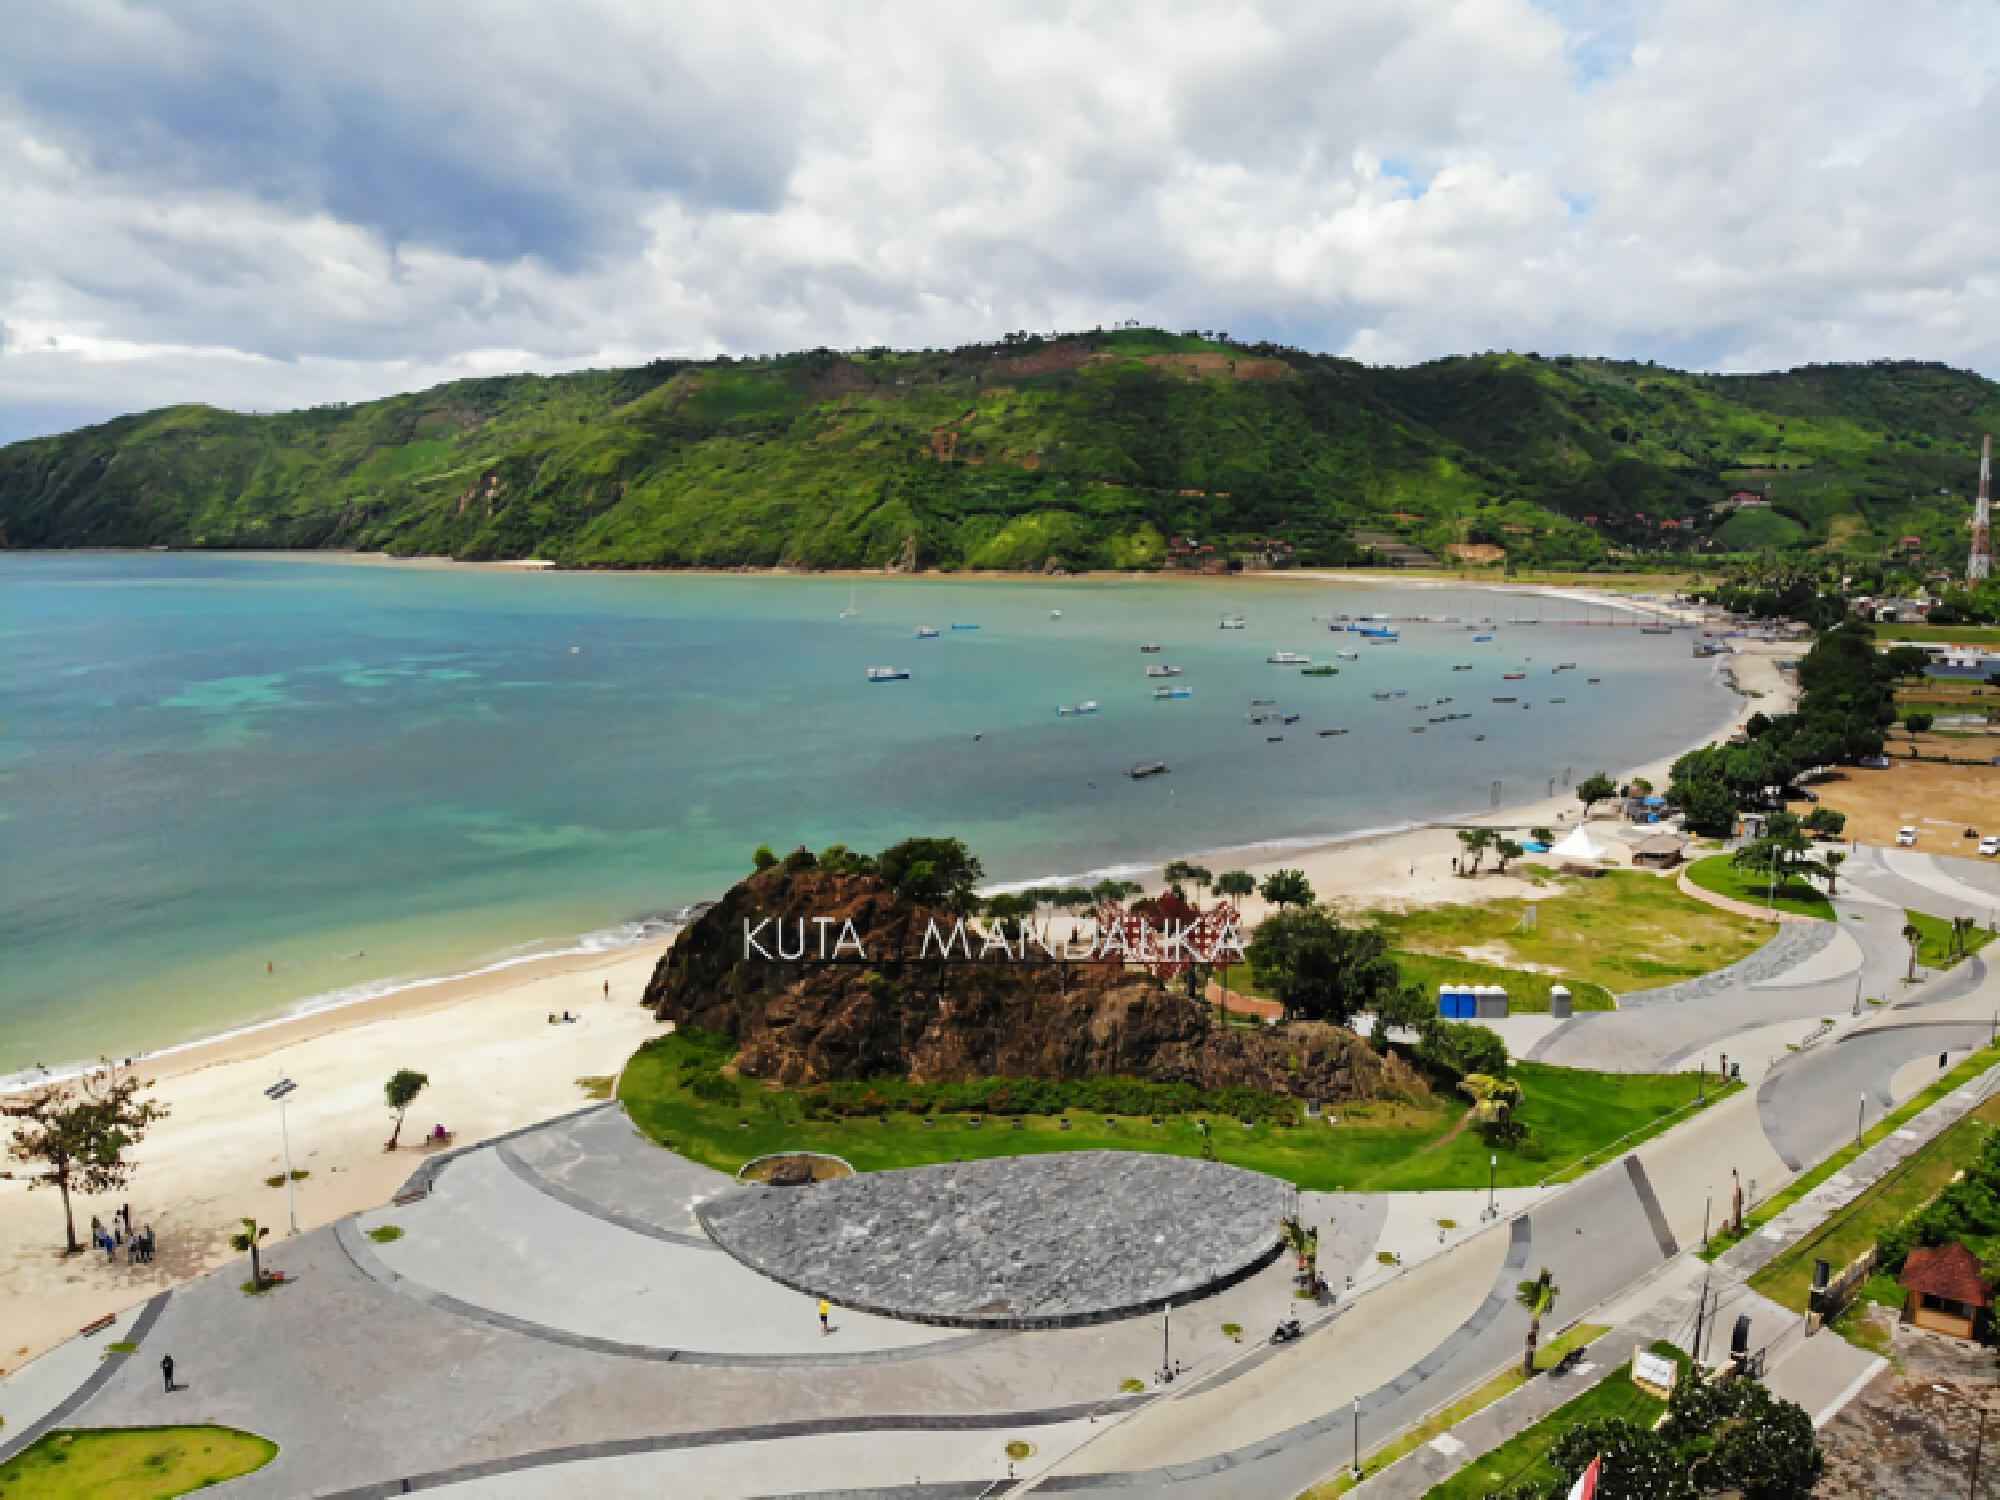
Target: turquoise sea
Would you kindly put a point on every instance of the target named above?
(362, 775)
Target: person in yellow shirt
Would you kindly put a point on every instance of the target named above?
(825, 1310)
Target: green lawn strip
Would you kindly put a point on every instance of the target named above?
(1523, 1458)
(1988, 635)
(132, 1463)
(673, 1093)
(1934, 951)
(1920, 1177)
(1753, 887)
(1756, 1218)
(1451, 1414)
(1624, 930)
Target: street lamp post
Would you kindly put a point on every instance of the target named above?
(1357, 1438)
(1860, 1112)
(1857, 994)
(277, 1093)
(1492, 1170)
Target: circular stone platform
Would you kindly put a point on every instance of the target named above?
(1014, 1242)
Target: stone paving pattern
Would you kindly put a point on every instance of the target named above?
(1014, 1242)
(1793, 945)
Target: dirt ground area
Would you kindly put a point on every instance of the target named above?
(1911, 1432)
(1951, 798)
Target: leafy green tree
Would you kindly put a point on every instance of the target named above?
(1457, 1049)
(931, 872)
(1735, 1437)
(1405, 1009)
(74, 1135)
(1320, 970)
(1542, 835)
(1506, 849)
(1594, 789)
(1008, 912)
(247, 1240)
(1827, 822)
(400, 1092)
(1287, 888)
(1475, 842)
(1912, 935)
(1919, 722)
(1539, 1298)
(1707, 804)
(1637, 1464)
(762, 858)
(1831, 863)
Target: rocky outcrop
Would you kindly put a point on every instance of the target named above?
(886, 1012)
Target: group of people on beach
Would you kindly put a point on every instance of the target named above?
(138, 1245)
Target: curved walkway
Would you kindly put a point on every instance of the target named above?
(1741, 908)
(517, 1258)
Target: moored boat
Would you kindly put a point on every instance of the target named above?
(1173, 692)
(1070, 710)
(1347, 656)
(1288, 659)
(888, 674)
(927, 632)
(1163, 671)
(1232, 622)
(1151, 649)
(1147, 768)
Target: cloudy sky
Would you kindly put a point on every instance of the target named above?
(264, 205)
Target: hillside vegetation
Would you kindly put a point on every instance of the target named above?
(1086, 451)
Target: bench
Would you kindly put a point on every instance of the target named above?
(414, 1195)
(99, 1325)
(434, 1141)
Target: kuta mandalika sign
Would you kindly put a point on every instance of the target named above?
(1152, 935)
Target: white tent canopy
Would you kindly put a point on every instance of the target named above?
(1579, 846)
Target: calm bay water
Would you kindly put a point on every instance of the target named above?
(359, 775)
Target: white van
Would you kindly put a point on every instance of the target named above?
(1906, 835)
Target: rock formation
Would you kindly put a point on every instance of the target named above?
(807, 1022)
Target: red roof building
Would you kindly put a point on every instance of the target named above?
(1946, 1289)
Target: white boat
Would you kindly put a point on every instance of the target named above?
(1163, 671)
(888, 674)
(1055, 614)
(1173, 692)
(1347, 656)
(1288, 659)
(1088, 706)
(927, 632)
(1232, 622)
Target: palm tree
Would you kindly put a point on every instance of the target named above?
(1177, 874)
(1831, 863)
(1539, 1298)
(1235, 883)
(1507, 849)
(1914, 937)
(247, 1239)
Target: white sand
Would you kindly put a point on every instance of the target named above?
(494, 1063)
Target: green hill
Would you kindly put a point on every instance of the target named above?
(1090, 450)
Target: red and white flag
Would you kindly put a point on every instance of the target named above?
(1585, 1487)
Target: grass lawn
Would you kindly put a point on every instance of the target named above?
(1934, 952)
(1845, 1236)
(1741, 883)
(1896, 1119)
(1448, 1417)
(1974, 635)
(1625, 930)
(132, 1463)
(1523, 1458)
(1569, 1113)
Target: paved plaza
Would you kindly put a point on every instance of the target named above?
(1014, 1241)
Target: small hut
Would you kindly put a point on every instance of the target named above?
(1579, 851)
(1662, 851)
(1945, 1290)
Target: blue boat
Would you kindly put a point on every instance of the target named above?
(965, 627)
(1379, 633)
(1477, 638)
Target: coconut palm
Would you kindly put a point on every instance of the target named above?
(399, 1093)
(1914, 937)
(247, 1239)
(1236, 884)
(1539, 1298)
(1493, 1099)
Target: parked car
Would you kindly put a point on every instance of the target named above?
(1875, 762)
(1990, 845)
(1800, 794)
(1906, 836)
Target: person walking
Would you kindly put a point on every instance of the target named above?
(125, 1213)
(167, 1371)
(825, 1311)
(607, 989)
(150, 1243)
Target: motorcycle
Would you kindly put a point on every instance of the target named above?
(1285, 1332)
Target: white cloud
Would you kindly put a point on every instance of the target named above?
(258, 205)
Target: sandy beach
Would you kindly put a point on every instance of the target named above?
(495, 1064)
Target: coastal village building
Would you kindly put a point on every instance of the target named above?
(1945, 1289)
(1661, 852)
